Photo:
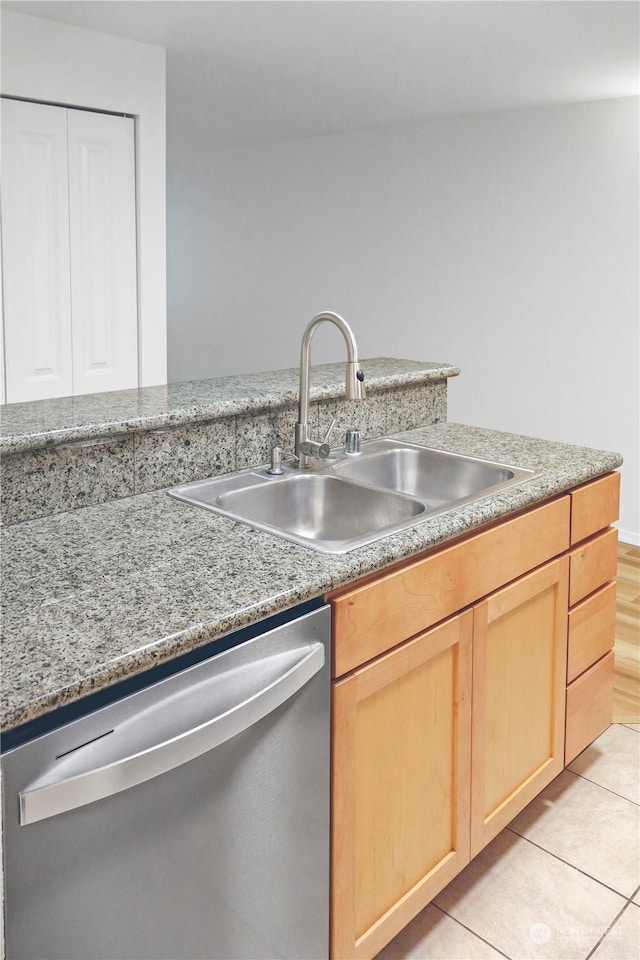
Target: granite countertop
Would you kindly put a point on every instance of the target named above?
(47, 423)
(105, 592)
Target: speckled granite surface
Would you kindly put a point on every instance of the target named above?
(186, 432)
(31, 426)
(98, 594)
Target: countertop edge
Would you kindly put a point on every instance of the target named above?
(205, 411)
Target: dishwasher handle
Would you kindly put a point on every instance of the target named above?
(50, 799)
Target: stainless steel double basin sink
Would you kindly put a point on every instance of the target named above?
(352, 499)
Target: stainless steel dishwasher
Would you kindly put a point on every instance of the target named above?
(188, 820)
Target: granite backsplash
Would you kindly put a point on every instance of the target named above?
(138, 441)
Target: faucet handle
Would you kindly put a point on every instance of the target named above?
(332, 426)
(323, 450)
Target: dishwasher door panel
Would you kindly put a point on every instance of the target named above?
(225, 856)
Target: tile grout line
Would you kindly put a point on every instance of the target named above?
(595, 782)
(572, 865)
(609, 929)
(608, 789)
(472, 932)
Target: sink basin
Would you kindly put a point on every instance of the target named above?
(352, 500)
(315, 509)
(437, 478)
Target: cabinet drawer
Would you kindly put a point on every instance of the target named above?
(592, 565)
(589, 706)
(594, 506)
(592, 627)
(371, 619)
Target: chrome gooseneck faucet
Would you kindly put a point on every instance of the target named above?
(305, 447)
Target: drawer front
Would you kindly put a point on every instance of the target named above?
(592, 626)
(594, 506)
(592, 565)
(377, 616)
(589, 707)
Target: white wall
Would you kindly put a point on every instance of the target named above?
(506, 243)
(55, 63)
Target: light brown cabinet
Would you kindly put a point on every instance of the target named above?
(593, 563)
(592, 612)
(591, 630)
(387, 609)
(589, 706)
(519, 656)
(594, 505)
(400, 797)
(450, 703)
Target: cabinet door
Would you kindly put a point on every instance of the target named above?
(400, 790)
(102, 241)
(35, 249)
(519, 669)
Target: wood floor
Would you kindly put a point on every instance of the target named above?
(626, 680)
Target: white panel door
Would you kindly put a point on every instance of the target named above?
(35, 235)
(3, 392)
(103, 252)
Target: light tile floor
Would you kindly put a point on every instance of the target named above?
(562, 882)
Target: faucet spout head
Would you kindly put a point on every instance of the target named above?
(355, 388)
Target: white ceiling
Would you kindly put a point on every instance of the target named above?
(260, 70)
